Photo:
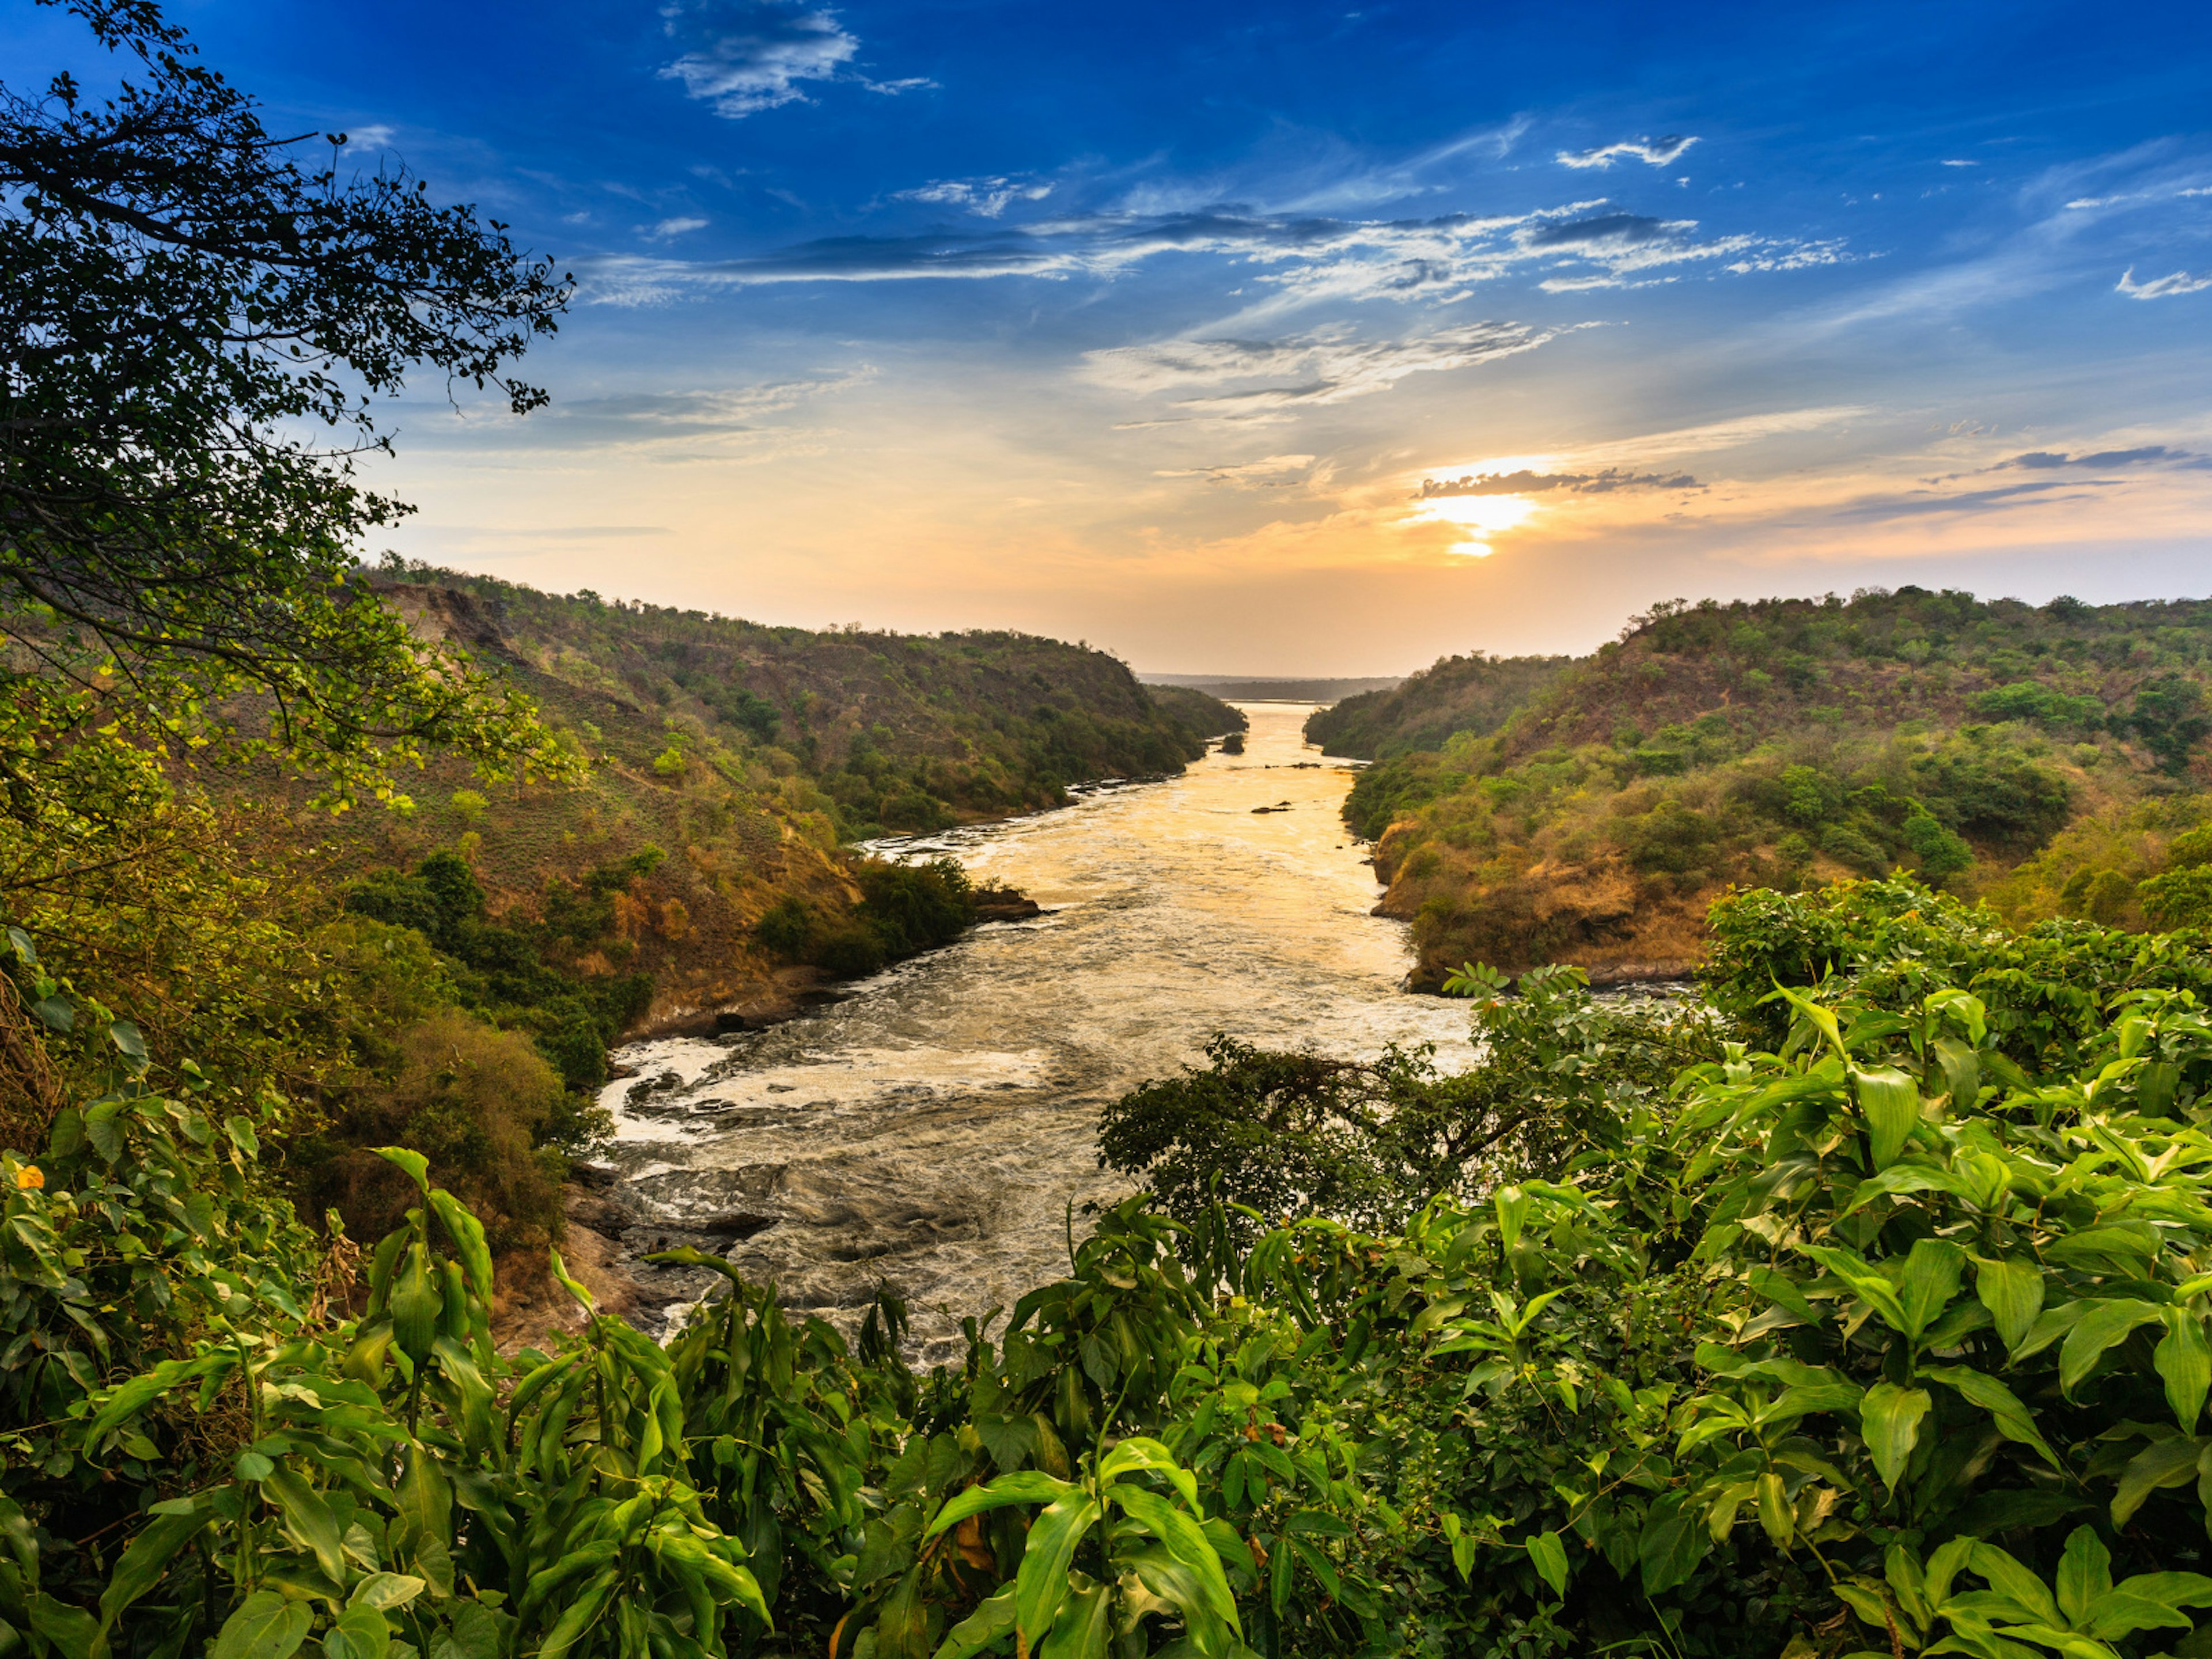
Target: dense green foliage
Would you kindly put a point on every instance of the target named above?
(1879, 1326)
(1992, 748)
(904, 909)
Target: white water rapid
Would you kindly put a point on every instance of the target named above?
(929, 1130)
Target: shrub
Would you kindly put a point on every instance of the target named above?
(1670, 837)
(476, 1101)
(1849, 845)
(2180, 898)
(2169, 717)
(2025, 700)
(1940, 854)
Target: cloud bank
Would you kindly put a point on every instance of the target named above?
(1295, 259)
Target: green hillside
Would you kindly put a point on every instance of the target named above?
(2039, 757)
(1476, 694)
(727, 764)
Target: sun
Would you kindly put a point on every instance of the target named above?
(1485, 515)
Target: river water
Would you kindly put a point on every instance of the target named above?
(929, 1130)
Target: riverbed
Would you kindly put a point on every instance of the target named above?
(930, 1131)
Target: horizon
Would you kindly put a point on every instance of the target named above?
(1330, 337)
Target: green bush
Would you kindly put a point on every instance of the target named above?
(2025, 700)
(1941, 853)
(477, 1101)
(2180, 898)
(1671, 837)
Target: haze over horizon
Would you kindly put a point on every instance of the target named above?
(1299, 340)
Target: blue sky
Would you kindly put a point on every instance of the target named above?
(1292, 338)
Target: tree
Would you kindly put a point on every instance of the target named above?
(180, 299)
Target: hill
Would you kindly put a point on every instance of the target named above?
(730, 764)
(1476, 694)
(2041, 758)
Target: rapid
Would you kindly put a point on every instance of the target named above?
(930, 1131)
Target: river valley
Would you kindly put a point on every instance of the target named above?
(929, 1131)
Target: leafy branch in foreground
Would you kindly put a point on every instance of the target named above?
(179, 299)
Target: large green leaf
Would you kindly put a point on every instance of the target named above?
(2085, 1573)
(1891, 1101)
(416, 1165)
(2186, 1362)
(1138, 1453)
(1022, 1486)
(576, 1621)
(468, 1235)
(140, 1391)
(2013, 1419)
(1673, 1541)
(1890, 1419)
(1962, 1072)
(990, 1622)
(2012, 1290)
(1040, 1585)
(308, 1518)
(2170, 1462)
(364, 1633)
(2118, 1613)
(266, 1625)
(1181, 1538)
(2105, 1326)
(147, 1558)
(1932, 1271)
(1549, 1558)
(2014, 1581)
(1871, 1287)
(72, 1632)
(1084, 1622)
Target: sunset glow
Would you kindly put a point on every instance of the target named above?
(1027, 322)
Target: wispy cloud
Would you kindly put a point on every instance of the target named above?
(368, 137)
(2044, 460)
(1525, 483)
(1297, 260)
(1271, 380)
(668, 227)
(1269, 472)
(746, 56)
(660, 425)
(1657, 152)
(986, 198)
(2163, 288)
(1919, 503)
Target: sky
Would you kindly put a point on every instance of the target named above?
(1299, 338)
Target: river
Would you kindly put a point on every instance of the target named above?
(929, 1131)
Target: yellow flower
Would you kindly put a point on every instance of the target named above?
(31, 1177)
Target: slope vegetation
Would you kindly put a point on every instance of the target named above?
(730, 764)
(1476, 694)
(2042, 758)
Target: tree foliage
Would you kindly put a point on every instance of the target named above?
(181, 301)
